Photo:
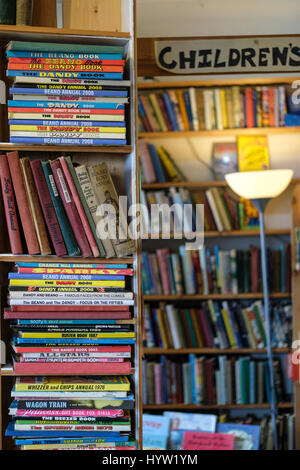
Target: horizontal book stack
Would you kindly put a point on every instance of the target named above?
(223, 211)
(70, 319)
(52, 207)
(212, 381)
(213, 271)
(201, 108)
(221, 325)
(157, 164)
(67, 94)
(75, 413)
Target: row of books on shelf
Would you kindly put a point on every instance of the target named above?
(203, 108)
(220, 325)
(197, 431)
(75, 413)
(213, 271)
(213, 381)
(214, 209)
(54, 205)
(67, 94)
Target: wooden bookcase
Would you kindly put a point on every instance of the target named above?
(154, 137)
(124, 168)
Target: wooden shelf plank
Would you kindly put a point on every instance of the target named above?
(173, 298)
(215, 82)
(223, 132)
(160, 351)
(183, 406)
(215, 234)
(13, 29)
(7, 146)
(9, 258)
(194, 184)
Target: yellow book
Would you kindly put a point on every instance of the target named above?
(162, 329)
(182, 109)
(167, 164)
(104, 383)
(224, 109)
(158, 113)
(17, 127)
(228, 328)
(77, 335)
(253, 153)
(89, 271)
(41, 282)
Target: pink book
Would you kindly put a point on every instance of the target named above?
(79, 349)
(68, 308)
(71, 369)
(70, 208)
(153, 273)
(204, 329)
(79, 207)
(65, 412)
(8, 315)
(147, 165)
(78, 360)
(162, 256)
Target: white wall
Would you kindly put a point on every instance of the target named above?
(158, 18)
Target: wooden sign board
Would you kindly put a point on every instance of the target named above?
(219, 55)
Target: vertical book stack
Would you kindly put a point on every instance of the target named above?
(67, 94)
(70, 320)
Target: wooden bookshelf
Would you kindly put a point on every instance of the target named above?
(207, 351)
(218, 133)
(122, 161)
(175, 298)
(194, 185)
(215, 234)
(183, 406)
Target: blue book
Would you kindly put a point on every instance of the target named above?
(63, 141)
(67, 55)
(155, 432)
(66, 322)
(171, 274)
(65, 277)
(164, 376)
(221, 326)
(156, 326)
(192, 359)
(156, 163)
(40, 122)
(10, 432)
(81, 75)
(291, 120)
(23, 442)
(247, 435)
(146, 266)
(186, 97)
(170, 111)
(63, 104)
(84, 341)
(55, 91)
(72, 265)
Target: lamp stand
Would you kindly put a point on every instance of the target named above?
(260, 204)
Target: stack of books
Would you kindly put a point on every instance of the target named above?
(194, 109)
(213, 271)
(75, 413)
(221, 325)
(70, 319)
(212, 381)
(55, 204)
(67, 94)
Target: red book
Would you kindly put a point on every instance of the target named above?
(80, 209)
(11, 315)
(272, 99)
(293, 366)
(73, 349)
(208, 340)
(10, 208)
(164, 111)
(63, 67)
(70, 209)
(65, 110)
(74, 368)
(209, 382)
(68, 308)
(249, 107)
(38, 60)
(22, 202)
(48, 208)
(231, 210)
(162, 257)
(208, 212)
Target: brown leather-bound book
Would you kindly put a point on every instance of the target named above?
(207, 211)
(196, 328)
(35, 207)
(23, 204)
(10, 208)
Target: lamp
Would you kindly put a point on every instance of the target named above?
(260, 187)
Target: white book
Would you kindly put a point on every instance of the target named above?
(67, 301)
(202, 258)
(69, 395)
(193, 101)
(218, 108)
(207, 98)
(70, 135)
(71, 81)
(171, 318)
(72, 295)
(187, 271)
(72, 427)
(84, 99)
(67, 117)
(213, 208)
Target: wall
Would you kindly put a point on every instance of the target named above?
(231, 17)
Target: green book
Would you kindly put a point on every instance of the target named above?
(62, 47)
(171, 272)
(85, 206)
(66, 230)
(245, 380)
(260, 325)
(191, 327)
(7, 11)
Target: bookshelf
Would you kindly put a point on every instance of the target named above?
(212, 236)
(123, 166)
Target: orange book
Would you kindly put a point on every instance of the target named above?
(183, 110)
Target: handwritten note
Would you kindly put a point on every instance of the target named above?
(207, 441)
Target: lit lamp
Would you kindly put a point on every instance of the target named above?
(260, 187)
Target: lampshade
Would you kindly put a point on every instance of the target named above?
(259, 184)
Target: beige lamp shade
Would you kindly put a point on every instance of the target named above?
(259, 184)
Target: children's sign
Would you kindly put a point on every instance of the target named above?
(207, 441)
